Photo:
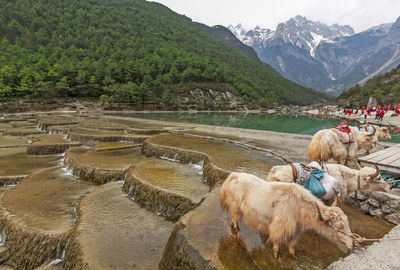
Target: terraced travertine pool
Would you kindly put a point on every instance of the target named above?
(15, 161)
(106, 207)
(225, 155)
(174, 177)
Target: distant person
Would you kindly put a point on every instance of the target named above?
(365, 115)
(381, 115)
(377, 115)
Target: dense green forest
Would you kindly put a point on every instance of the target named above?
(123, 50)
(385, 88)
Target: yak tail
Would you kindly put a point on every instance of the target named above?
(222, 200)
(314, 148)
(223, 193)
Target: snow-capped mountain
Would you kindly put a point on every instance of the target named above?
(327, 58)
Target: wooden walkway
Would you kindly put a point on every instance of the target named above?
(388, 160)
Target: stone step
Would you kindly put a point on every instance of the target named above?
(167, 188)
(225, 156)
(38, 216)
(114, 232)
(101, 166)
(15, 161)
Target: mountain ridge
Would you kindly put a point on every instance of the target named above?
(326, 58)
(130, 51)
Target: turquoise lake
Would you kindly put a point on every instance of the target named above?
(280, 123)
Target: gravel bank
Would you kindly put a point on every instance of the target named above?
(383, 255)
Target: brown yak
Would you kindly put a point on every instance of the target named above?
(280, 212)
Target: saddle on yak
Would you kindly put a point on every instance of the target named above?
(344, 133)
(328, 185)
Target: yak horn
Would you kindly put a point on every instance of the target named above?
(335, 202)
(378, 171)
(373, 133)
(319, 212)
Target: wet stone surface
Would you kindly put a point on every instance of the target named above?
(38, 216)
(166, 188)
(15, 161)
(46, 200)
(101, 146)
(113, 159)
(224, 155)
(114, 232)
(7, 141)
(174, 177)
(50, 139)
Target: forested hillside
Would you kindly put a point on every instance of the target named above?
(385, 88)
(126, 50)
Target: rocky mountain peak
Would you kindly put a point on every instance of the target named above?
(326, 57)
(395, 25)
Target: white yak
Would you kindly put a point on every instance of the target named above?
(280, 212)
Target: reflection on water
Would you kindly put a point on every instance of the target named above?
(281, 123)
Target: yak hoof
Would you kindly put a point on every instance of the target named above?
(293, 254)
(234, 229)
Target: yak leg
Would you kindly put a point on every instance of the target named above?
(235, 216)
(276, 250)
(234, 227)
(264, 238)
(291, 245)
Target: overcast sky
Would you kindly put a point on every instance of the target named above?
(360, 14)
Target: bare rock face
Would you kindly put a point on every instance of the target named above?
(372, 102)
(377, 203)
(207, 98)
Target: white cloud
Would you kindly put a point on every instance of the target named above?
(360, 14)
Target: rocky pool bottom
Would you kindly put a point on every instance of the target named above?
(114, 204)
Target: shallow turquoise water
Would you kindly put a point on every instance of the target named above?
(280, 123)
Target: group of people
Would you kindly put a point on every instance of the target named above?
(379, 110)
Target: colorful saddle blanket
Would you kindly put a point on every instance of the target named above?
(301, 174)
(330, 184)
(344, 137)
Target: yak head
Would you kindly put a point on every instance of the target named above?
(366, 137)
(371, 179)
(335, 226)
(383, 133)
